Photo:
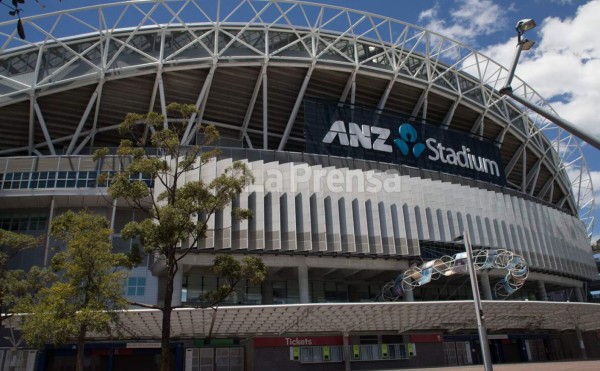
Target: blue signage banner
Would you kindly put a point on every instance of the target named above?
(338, 130)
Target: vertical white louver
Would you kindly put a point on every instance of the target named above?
(297, 207)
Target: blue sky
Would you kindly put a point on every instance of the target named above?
(564, 67)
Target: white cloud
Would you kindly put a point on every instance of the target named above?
(563, 66)
(562, 2)
(595, 176)
(471, 18)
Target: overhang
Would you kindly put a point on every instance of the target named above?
(396, 317)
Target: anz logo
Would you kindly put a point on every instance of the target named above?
(374, 138)
(408, 137)
(359, 136)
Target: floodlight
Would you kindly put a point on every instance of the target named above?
(525, 25)
(527, 44)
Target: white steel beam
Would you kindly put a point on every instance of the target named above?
(163, 100)
(84, 117)
(420, 102)
(450, 114)
(513, 161)
(42, 122)
(31, 124)
(265, 113)
(290, 123)
(349, 84)
(253, 99)
(201, 99)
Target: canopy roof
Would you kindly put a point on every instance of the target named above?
(398, 317)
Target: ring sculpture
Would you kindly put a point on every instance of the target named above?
(515, 266)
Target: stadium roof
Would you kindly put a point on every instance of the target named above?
(397, 317)
(67, 86)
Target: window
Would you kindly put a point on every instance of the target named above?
(60, 179)
(135, 286)
(376, 352)
(319, 354)
(23, 223)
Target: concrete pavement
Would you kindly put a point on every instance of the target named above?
(545, 366)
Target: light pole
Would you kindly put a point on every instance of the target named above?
(483, 339)
(523, 26)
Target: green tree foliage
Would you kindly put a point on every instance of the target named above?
(232, 272)
(178, 210)
(89, 288)
(15, 284)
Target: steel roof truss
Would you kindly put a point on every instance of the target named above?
(292, 119)
(83, 119)
(132, 34)
(42, 123)
(253, 98)
(200, 102)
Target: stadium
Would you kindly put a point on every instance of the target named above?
(374, 144)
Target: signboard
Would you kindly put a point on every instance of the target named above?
(297, 341)
(142, 345)
(426, 338)
(336, 129)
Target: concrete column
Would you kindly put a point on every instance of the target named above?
(409, 296)
(113, 215)
(347, 354)
(484, 284)
(177, 286)
(267, 292)
(581, 342)
(541, 291)
(303, 283)
(48, 228)
(578, 295)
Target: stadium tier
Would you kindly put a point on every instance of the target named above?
(374, 144)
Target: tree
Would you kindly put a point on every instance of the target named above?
(178, 211)
(14, 284)
(233, 272)
(89, 291)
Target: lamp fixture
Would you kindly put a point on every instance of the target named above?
(521, 27)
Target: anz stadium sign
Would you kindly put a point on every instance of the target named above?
(361, 133)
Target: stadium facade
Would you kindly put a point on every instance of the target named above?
(374, 144)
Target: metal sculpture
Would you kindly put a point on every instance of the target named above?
(516, 268)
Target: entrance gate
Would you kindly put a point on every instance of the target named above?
(214, 359)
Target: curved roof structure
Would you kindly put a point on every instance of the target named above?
(249, 64)
(275, 320)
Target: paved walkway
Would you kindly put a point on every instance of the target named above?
(545, 366)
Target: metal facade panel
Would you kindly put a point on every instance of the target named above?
(256, 226)
(272, 214)
(303, 223)
(287, 208)
(223, 218)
